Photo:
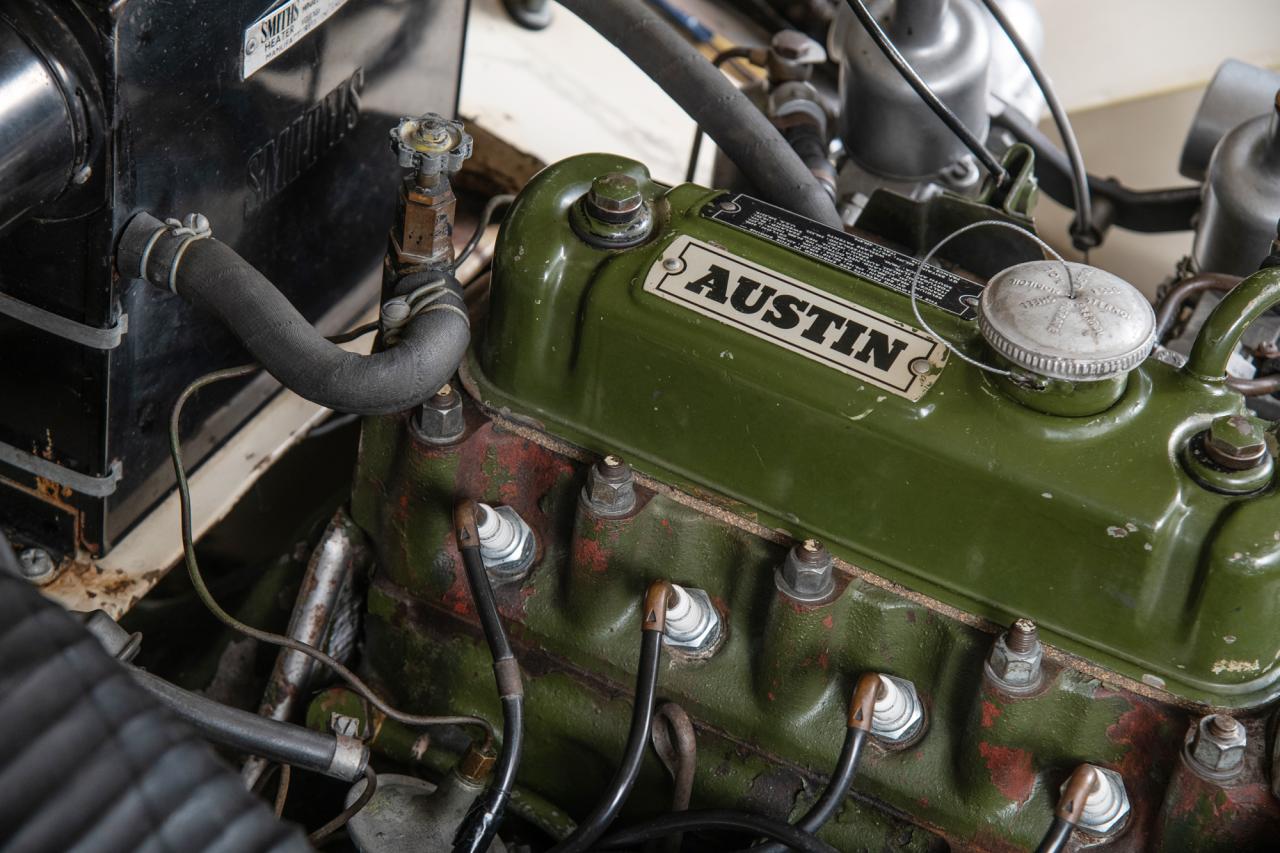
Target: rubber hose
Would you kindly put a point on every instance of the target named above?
(479, 828)
(212, 276)
(736, 125)
(585, 836)
(727, 819)
(242, 730)
(835, 792)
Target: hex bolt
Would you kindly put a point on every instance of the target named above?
(37, 566)
(898, 716)
(807, 573)
(693, 623)
(507, 543)
(615, 198)
(1015, 664)
(1214, 747)
(610, 491)
(440, 420)
(1236, 442)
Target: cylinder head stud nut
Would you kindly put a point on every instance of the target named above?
(898, 717)
(614, 198)
(693, 626)
(807, 574)
(440, 420)
(1214, 747)
(1236, 442)
(1015, 664)
(1106, 805)
(610, 491)
(37, 566)
(507, 543)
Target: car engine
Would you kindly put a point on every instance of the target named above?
(363, 469)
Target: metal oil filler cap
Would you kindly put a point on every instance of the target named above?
(1092, 327)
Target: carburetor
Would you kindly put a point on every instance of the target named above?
(854, 464)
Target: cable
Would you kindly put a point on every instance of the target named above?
(282, 789)
(1167, 308)
(272, 639)
(1055, 840)
(719, 59)
(370, 787)
(486, 216)
(861, 709)
(941, 110)
(729, 819)
(654, 621)
(481, 825)
(1083, 234)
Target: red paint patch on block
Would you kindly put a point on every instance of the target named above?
(990, 713)
(1011, 770)
(828, 621)
(591, 555)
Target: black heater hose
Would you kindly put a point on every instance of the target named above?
(477, 831)
(212, 276)
(729, 117)
(654, 622)
(861, 706)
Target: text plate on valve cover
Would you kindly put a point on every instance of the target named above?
(852, 254)
(822, 327)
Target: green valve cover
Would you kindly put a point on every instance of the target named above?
(732, 354)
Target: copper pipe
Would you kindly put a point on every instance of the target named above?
(1257, 387)
(1168, 307)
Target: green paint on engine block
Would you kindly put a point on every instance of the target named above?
(1090, 525)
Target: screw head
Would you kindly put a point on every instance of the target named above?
(615, 198)
(37, 566)
(1236, 442)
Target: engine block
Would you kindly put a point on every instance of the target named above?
(766, 396)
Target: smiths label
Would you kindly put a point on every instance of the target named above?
(280, 28)
(871, 261)
(878, 350)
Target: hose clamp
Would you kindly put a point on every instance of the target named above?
(194, 228)
(350, 756)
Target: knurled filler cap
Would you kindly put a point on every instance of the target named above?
(430, 144)
(1028, 314)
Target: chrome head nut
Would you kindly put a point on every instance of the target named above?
(1014, 665)
(808, 572)
(610, 491)
(693, 624)
(899, 714)
(1107, 805)
(1214, 747)
(440, 420)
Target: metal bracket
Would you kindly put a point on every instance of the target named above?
(56, 324)
(85, 484)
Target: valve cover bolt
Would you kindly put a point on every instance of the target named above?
(614, 198)
(808, 572)
(1236, 442)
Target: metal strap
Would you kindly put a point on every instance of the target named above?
(85, 484)
(56, 324)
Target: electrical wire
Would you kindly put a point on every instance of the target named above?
(1084, 235)
(370, 787)
(834, 794)
(941, 110)
(273, 639)
(725, 819)
(282, 789)
(486, 216)
(654, 613)
(481, 824)
(719, 59)
(1055, 840)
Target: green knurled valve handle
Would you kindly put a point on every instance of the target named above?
(1221, 333)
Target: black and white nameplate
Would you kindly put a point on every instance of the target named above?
(788, 313)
